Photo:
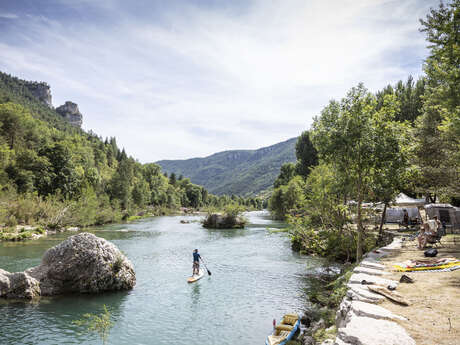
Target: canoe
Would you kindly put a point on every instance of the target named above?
(196, 277)
(284, 331)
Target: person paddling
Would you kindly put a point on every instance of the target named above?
(196, 262)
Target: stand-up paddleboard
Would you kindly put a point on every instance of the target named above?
(196, 277)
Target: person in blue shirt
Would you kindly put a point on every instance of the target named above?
(196, 262)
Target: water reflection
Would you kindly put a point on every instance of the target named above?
(195, 294)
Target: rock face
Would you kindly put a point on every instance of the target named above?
(69, 111)
(41, 91)
(83, 263)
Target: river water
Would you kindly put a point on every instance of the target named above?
(255, 278)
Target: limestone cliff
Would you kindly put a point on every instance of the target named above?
(70, 112)
(41, 91)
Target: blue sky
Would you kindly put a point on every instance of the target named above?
(179, 79)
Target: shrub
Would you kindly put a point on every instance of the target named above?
(12, 221)
(40, 230)
(117, 264)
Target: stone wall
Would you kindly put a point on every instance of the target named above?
(360, 320)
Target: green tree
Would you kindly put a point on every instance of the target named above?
(390, 171)
(120, 185)
(287, 172)
(15, 121)
(346, 136)
(307, 156)
(324, 227)
(409, 96)
(438, 140)
(287, 199)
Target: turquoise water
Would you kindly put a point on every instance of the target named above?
(255, 278)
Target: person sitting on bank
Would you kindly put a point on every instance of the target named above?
(438, 224)
(196, 262)
(428, 231)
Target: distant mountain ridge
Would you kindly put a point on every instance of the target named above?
(239, 172)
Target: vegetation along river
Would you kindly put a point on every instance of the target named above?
(255, 278)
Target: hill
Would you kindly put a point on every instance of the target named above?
(239, 172)
(53, 173)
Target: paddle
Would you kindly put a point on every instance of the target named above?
(209, 272)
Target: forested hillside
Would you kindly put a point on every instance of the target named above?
(239, 172)
(56, 174)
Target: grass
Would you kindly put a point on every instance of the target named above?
(133, 218)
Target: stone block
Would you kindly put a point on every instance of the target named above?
(357, 278)
(371, 271)
(369, 331)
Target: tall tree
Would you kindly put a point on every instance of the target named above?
(438, 129)
(287, 172)
(307, 156)
(347, 136)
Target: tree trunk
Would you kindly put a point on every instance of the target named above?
(380, 237)
(359, 245)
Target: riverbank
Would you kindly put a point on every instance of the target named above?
(434, 297)
(25, 232)
(433, 300)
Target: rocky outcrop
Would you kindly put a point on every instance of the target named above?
(41, 91)
(83, 263)
(219, 221)
(70, 112)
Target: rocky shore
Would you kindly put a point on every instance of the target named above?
(359, 319)
(83, 263)
(29, 232)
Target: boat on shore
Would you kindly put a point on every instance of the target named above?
(284, 331)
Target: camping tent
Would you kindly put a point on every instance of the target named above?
(404, 200)
(396, 214)
(445, 213)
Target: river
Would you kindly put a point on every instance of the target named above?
(255, 277)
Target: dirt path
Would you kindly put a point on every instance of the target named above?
(434, 311)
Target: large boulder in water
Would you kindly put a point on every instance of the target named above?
(83, 263)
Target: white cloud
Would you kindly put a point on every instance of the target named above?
(206, 80)
(8, 16)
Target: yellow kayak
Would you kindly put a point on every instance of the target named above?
(284, 331)
(196, 277)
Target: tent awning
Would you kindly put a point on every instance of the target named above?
(404, 200)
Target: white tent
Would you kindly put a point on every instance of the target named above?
(446, 213)
(396, 214)
(404, 200)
